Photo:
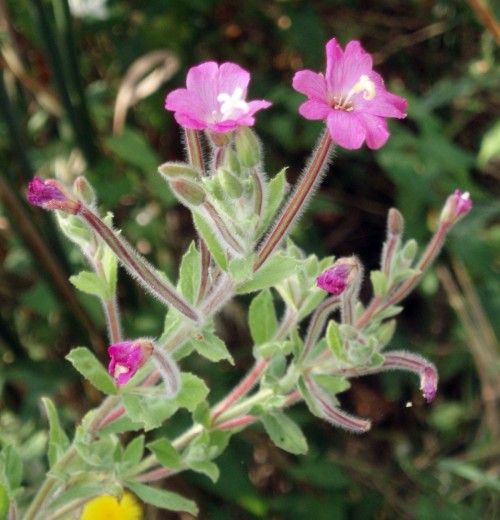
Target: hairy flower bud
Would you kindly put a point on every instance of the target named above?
(83, 190)
(457, 205)
(395, 222)
(51, 194)
(230, 184)
(340, 276)
(247, 147)
(127, 357)
(171, 170)
(187, 191)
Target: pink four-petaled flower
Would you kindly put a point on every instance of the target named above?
(214, 98)
(351, 97)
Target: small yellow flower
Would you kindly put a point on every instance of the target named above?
(108, 507)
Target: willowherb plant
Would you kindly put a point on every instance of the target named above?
(243, 220)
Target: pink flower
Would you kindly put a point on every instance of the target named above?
(214, 98)
(337, 278)
(351, 97)
(51, 194)
(127, 357)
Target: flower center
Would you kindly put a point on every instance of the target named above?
(364, 85)
(231, 104)
(120, 369)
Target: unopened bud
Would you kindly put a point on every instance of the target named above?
(456, 206)
(409, 251)
(84, 191)
(230, 184)
(395, 222)
(171, 170)
(340, 276)
(247, 147)
(231, 161)
(188, 192)
(51, 194)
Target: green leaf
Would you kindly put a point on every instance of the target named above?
(207, 467)
(333, 384)
(90, 283)
(272, 272)
(166, 454)
(162, 498)
(4, 502)
(385, 332)
(217, 250)
(212, 347)
(77, 491)
(193, 391)
(285, 433)
(121, 425)
(12, 466)
(379, 283)
(58, 441)
(241, 269)
(91, 368)
(334, 340)
(276, 192)
(262, 318)
(190, 273)
(133, 452)
(149, 410)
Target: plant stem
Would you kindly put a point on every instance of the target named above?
(301, 196)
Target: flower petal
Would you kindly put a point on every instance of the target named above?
(346, 129)
(311, 84)
(315, 110)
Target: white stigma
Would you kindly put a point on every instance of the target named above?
(120, 369)
(232, 103)
(365, 85)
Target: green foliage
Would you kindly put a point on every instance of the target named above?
(90, 367)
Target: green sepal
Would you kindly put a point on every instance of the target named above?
(91, 368)
(285, 433)
(162, 498)
(262, 318)
(58, 440)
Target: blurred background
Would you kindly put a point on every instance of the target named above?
(82, 89)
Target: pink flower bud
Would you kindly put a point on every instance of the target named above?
(337, 278)
(428, 383)
(51, 194)
(456, 206)
(127, 357)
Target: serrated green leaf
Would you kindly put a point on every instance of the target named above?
(285, 433)
(193, 391)
(149, 410)
(276, 192)
(90, 283)
(133, 452)
(162, 498)
(379, 283)
(241, 269)
(91, 368)
(190, 273)
(262, 318)
(217, 250)
(334, 340)
(272, 272)
(212, 347)
(58, 441)
(166, 454)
